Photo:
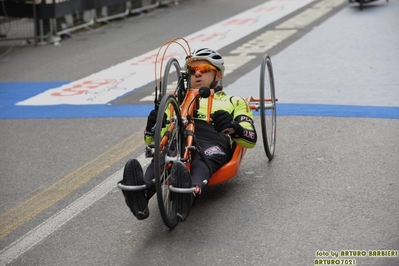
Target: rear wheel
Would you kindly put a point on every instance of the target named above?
(267, 97)
(168, 148)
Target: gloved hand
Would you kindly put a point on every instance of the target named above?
(152, 120)
(223, 120)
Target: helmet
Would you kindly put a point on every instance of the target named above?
(209, 55)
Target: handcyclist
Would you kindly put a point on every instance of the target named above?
(231, 113)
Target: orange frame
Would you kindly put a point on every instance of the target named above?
(231, 168)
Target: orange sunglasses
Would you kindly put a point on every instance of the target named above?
(203, 68)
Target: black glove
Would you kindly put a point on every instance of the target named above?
(152, 120)
(222, 120)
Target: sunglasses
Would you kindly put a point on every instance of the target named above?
(203, 68)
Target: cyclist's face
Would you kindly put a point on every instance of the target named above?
(203, 75)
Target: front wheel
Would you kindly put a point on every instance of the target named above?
(171, 76)
(169, 147)
(267, 97)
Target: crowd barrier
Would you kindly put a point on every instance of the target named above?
(45, 20)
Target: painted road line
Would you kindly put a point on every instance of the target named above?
(249, 85)
(264, 42)
(304, 19)
(32, 238)
(310, 15)
(234, 62)
(23, 212)
(111, 83)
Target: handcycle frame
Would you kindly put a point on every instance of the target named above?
(174, 138)
(180, 121)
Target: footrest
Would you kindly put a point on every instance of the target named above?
(132, 188)
(181, 190)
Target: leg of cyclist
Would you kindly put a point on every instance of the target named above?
(149, 180)
(201, 172)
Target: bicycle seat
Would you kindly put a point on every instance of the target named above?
(230, 169)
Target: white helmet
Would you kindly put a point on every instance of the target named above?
(209, 55)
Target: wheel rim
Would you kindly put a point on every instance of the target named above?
(268, 107)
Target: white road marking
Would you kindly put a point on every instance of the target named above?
(35, 236)
(263, 42)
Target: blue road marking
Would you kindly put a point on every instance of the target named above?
(337, 110)
(13, 92)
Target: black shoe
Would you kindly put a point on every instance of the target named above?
(135, 200)
(181, 201)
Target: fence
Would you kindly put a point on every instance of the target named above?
(43, 21)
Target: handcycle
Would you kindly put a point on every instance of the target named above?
(174, 132)
(362, 2)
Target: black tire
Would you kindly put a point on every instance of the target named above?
(361, 2)
(268, 107)
(171, 77)
(173, 149)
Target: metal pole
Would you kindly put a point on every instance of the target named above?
(41, 30)
(35, 21)
(54, 31)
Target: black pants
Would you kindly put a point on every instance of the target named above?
(217, 155)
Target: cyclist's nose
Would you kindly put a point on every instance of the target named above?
(197, 73)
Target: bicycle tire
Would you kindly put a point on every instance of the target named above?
(170, 80)
(172, 149)
(268, 107)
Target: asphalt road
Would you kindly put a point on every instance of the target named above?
(332, 185)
